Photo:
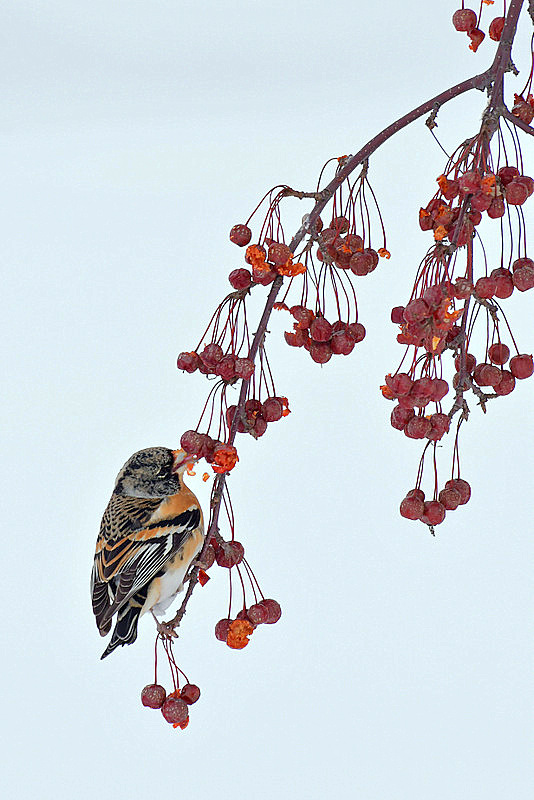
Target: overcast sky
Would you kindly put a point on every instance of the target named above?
(134, 135)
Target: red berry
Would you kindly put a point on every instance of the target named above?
(439, 426)
(228, 554)
(416, 493)
(521, 366)
(222, 628)
(259, 427)
(211, 355)
(421, 391)
(450, 498)
(507, 174)
(417, 428)
(191, 442)
(321, 352)
(226, 368)
(499, 353)
(495, 28)
(297, 338)
(361, 263)
(342, 343)
(263, 276)
(153, 695)
(462, 288)
(497, 208)
(400, 384)
(504, 282)
(480, 202)
(400, 416)
(272, 409)
(485, 287)
(434, 513)
(208, 558)
(523, 278)
(527, 181)
(470, 362)
(240, 235)
(397, 315)
(462, 486)
(304, 316)
(187, 362)
(320, 330)
(412, 508)
(340, 224)
(190, 693)
(469, 182)
(507, 383)
(477, 37)
(464, 20)
(516, 193)
(357, 331)
(523, 110)
(438, 390)
(487, 375)
(274, 612)
(258, 614)
(240, 278)
(279, 253)
(175, 710)
(244, 368)
(416, 310)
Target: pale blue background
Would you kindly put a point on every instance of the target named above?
(133, 136)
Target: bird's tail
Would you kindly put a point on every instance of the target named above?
(125, 631)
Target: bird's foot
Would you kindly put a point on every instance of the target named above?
(165, 629)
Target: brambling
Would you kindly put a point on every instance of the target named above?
(151, 532)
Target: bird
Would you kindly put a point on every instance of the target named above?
(151, 532)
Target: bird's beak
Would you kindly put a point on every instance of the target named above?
(181, 459)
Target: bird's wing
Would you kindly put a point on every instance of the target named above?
(131, 550)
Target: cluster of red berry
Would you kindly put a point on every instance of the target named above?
(222, 457)
(256, 414)
(455, 493)
(467, 21)
(488, 192)
(523, 109)
(174, 706)
(342, 246)
(236, 632)
(321, 338)
(214, 361)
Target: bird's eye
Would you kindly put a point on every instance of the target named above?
(162, 472)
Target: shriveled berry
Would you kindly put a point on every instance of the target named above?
(504, 283)
(439, 426)
(462, 288)
(462, 486)
(523, 110)
(259, 427)
(211, 355)
(416, 310)
(516, 193)
(297, 338)
(304, 316)
(397, 315)
(153, 695)
(175, 710)
(279, 253)
(263, 276)
(412, 508)
(499, 353)
(421, 391)
(521, 366)
(208, 558)
(400, 384)
(240, 235)
(190, 693)
(434, 513)
(240, 278)
(477, 37)
(188, 362)
(226, 368)
(464, 20)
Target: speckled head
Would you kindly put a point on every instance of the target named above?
(153, 472)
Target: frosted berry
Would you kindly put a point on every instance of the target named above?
(240, 235)
(191, 442)
(523, 278)
(244, 368)
(357, 331)
(416, 310)
(272, 409)
(523, 110)
(321, 352)
(412, 508)
(506, 384)
(211, 355)
(516, 193)
(521, 366)
(464, 20)
(470, 362)
(226, 368)
(507, 174)
(461, 486)
(279, 254)
(450, 498)
(486, 287)
(434, 513)
(438, 390)
(304, 316)
(342, 343)
(439, 426)
(153, 695)
(469, 182)
(400, 416)
(257, 614)
(417, 427)
(190, 693)
(175, 710)
(263, 276)
(497, 208)
(240, 278)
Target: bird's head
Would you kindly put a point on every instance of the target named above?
(153, 472)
